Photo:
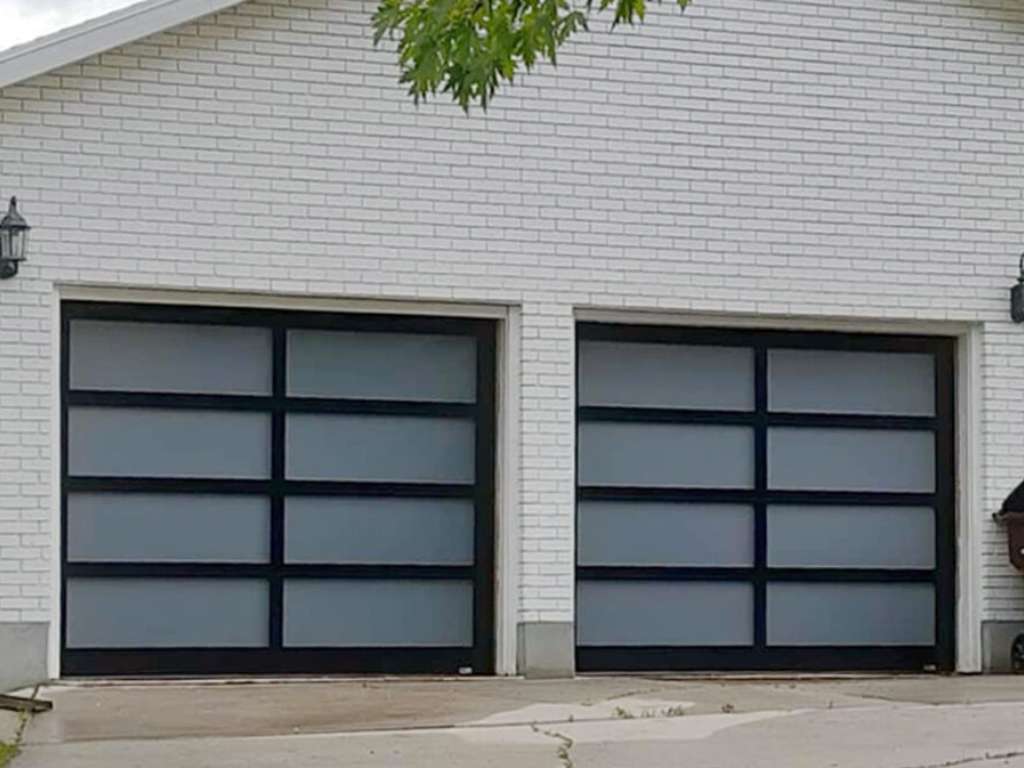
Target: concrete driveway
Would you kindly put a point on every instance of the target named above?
(598, 722)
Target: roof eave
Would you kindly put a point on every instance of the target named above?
(101, 34)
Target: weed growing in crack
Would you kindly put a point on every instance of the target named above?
(9, 751)
(564, 745)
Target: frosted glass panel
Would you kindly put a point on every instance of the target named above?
(628, 533)
(378, 530)
(379, 448)
(664, 613)
(666, 455)
(385, 366)
(827, 381)
(666, 375)
(182, 527)
(150, 442)
(851, 460)
(851, 614)
(853, 537)
(167, 613)
(168, 357)
(366, 612)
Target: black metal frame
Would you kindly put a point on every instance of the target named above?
(276, 658)
(760, 655)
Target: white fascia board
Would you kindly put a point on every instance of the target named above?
(101, 34)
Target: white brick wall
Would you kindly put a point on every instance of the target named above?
(799, 158)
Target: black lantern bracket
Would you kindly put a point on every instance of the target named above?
(1017, 294)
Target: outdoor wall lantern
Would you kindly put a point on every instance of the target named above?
(13, 237)
(1017, 295)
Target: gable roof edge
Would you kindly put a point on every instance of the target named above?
(101, 34)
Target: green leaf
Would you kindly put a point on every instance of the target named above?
(470, 48)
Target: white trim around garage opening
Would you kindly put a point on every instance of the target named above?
(507, 447)
(968, 432)
(507, 530)
(969, 415)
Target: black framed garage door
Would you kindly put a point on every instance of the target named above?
(761, 500)
(268, 492)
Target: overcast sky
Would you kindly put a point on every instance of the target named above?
(28, 19)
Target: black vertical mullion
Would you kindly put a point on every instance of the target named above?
(760, 508)
(483, 529)
(277, 441)
(945, 511)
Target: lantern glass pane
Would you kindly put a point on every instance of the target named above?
(18, 240)
(5, 244)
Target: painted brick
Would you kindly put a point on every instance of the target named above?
(854, 159)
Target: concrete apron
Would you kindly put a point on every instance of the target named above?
(875, 723)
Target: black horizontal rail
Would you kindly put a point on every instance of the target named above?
(75, 569)
(617, 413)
(629, 414)
(751, 496)
(90, 398)
(745, 337)
(830, 658)
(80, 484)
(850, 421)
(816, 574)
(188, 314)
(287, 660)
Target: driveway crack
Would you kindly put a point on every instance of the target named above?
(564, 750)
(975, 759)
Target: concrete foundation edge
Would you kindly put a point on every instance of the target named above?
(546, 649)
(22, 654)
(996, 642)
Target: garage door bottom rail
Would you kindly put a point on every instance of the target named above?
(269, 661)
(746, 659)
